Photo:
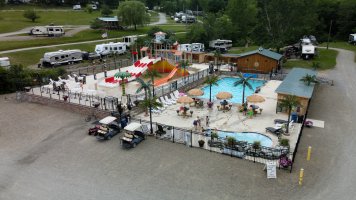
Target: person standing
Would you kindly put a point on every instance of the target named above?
(207, 121)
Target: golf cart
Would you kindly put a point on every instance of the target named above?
(108, 128)
(134, 134)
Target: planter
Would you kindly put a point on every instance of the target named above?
(210, 104)
(201, 143)
(65, 97)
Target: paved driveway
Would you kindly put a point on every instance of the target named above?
(46, 154)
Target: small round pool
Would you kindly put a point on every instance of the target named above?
(249, 137)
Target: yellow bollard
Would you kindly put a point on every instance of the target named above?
(301, 175)
(309, 153)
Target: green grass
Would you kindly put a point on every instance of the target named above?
(342, 45)
(238, 50)
(326, 58)
(85, 35)
(14, 20)
(154, 16)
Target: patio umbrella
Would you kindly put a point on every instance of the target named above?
(255, 98)
(185, 99)
(224, 95)
(195, 92)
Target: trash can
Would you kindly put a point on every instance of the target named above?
(294, 116)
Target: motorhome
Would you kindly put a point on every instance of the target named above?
(198, 47)
(185, 47)
(194, 47)
(49, 31)
(220, 44)
(61, 57)
(129, 40)
(188, 19)
(105, 49)
(4, 62)
(352, 39)
(308, 50)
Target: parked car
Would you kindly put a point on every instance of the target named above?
(134, 134)
(109, 127)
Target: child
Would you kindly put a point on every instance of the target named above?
(207, 121)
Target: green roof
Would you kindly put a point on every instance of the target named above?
(264, 52)
(292, 85)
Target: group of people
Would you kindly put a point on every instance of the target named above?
(197, 122)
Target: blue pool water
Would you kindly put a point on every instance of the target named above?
(227, 85)
(248, 137)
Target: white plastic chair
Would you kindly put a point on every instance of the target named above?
(169, 100)
(164, 101)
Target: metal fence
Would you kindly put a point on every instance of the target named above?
(240, 149)
(98, 68)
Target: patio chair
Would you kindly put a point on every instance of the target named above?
(160, 130)
(164, 101)
(280, 121)
(164, 106)
(173, 97)
(276, 131)
(291, 126)
(170, 100)
(176, 94)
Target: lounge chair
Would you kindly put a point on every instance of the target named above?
(176, 94)
(291, 126)
(173, 97)
(160, 130)
(170, 100)
(164, 101)
(276, 131)
(164, 106)
(280, 121)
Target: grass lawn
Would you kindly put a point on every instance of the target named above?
(154, 16)
(85, 35)
(237, 50)
(14, 20)
(341, 45)
(326, 58)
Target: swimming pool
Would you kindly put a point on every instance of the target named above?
(249, 137)
(227, 84)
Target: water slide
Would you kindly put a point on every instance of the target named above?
(167, 78)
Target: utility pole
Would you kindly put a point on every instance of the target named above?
(327, 44)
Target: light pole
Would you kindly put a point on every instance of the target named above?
(327, 44)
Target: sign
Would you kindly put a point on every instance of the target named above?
(271, 169)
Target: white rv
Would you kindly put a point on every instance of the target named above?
(308, 50)
(129, 40)
(105, 49)
(47, 31)
(352, 39)
(198, 47)
(185, 47)
(77, 7)
(4, 62)
(220, 44)
(62, 57)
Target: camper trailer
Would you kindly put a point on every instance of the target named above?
(308, 50)
(4, 62)
(129, 40)
(188, 19)
(185, 47)
(198, 47)
(222, 45)
(61, 57)
(352, 39)
(105, 49)
(49, 31)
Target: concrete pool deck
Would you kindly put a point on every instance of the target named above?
(232, 120)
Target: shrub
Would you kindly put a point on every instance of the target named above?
(31, 15)
(256, 145)
(284, 142)
(214, 135)
(89, 9)
(231, 141)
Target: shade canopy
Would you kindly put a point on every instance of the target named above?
(255, 98)
(107, 120)
(195, 92)
(185, 99)
(132, 126)
(224, 95)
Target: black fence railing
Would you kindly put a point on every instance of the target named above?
(239, 149)
(99, 67)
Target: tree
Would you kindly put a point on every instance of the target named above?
(152, 73)
(89, 9)
(243, 15)
(96, 24)
(133, 13)
(308, 79)
(224, 23)
(169, 7)
(31, 15)
(346, 17)
(197, 33)
(316, 65)
(217, 56)
(123, 76)
(289, 102)
(145, 86)
(2, 3)
(211, 80)
(244, 82)
(106, 11)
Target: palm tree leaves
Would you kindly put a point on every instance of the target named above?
(243, 81)
(146, 86)
(146, 103)
(212, 80)
(152, 73)
(308, 79)
(122, 75)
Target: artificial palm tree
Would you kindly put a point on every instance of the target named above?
(183, 64)
(308, 79)
(289, 102)
(122, 75)
(211, 80)
(217, 56)
(244, 82)
(146, 86)
(152, 73)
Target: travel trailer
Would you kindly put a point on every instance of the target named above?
(185, 47)
(77, 7)
(222, 45)
(4, 62)
(49, 31)
(352, 39)
(105, 49)
(308, 50)
(129, 40)
(198, 47)
(194, 47)
(188, 19)
(61, 57)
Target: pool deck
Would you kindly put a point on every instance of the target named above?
(232, 120)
